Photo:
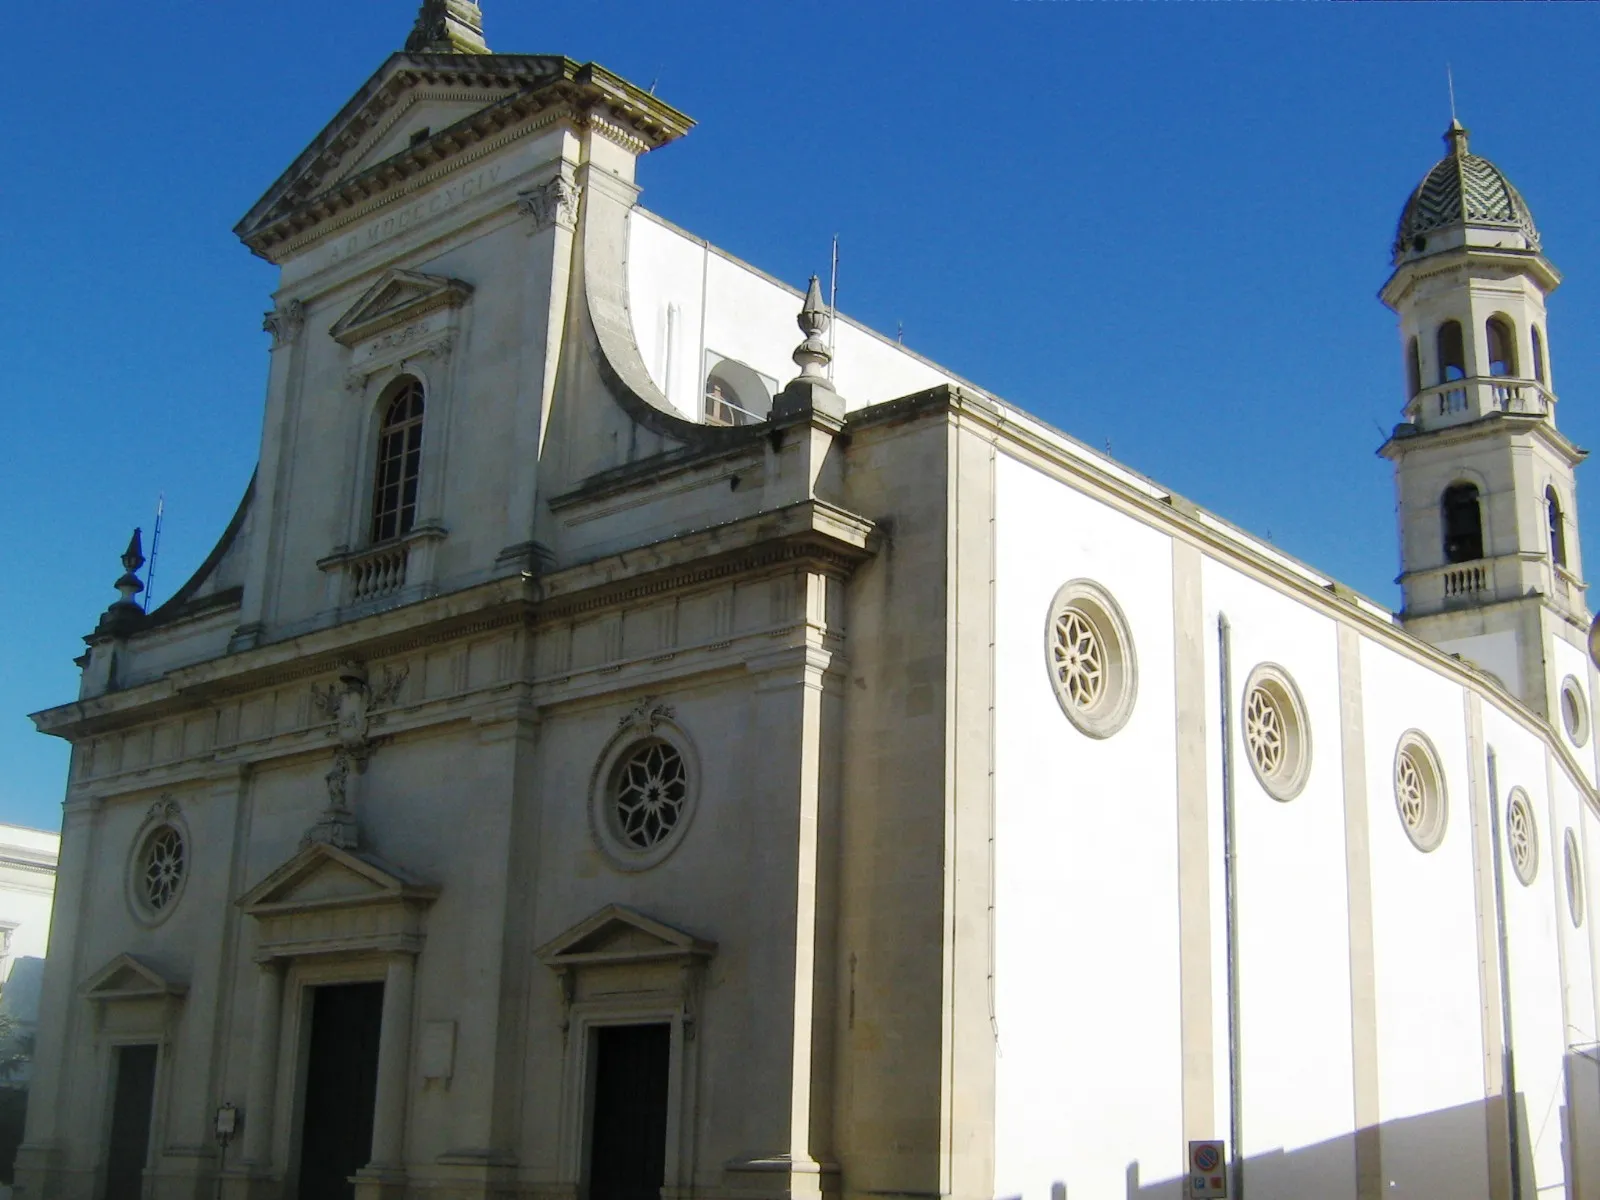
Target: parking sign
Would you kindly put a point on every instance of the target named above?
(1208, 1172)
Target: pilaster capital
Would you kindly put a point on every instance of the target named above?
(554, 202)
(284, 322)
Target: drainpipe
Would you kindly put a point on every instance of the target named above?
(1230, 855)
(1508, 1063)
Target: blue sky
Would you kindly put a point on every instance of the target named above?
(1161, 226)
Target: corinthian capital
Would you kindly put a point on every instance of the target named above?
(284, 322)
(552, 203)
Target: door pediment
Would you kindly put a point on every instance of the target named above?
(329, 900)
(128, 978)
(619, 936)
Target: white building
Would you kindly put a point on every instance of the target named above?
(27, 884)
(590, 767)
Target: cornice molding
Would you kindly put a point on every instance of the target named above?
(811, 533)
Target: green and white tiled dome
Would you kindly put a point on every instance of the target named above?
(1461, 189)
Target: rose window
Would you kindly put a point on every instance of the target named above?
(1277, 736)
(164, 861)
(1088, 650)
(1522, 836)
(1419, 791)
(651, 788)
(1264, 731)
(1080, 658)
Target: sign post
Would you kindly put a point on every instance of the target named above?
(1208, 1171)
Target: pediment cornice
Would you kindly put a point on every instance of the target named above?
(530, 89)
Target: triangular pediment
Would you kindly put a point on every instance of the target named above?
(396, 298)
(620, 935)
(366, 154)
(323, 877)
(128, 978)
(418, 116)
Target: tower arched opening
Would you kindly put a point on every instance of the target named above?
(1558, 528)
(1502, 346)
(1463, 523)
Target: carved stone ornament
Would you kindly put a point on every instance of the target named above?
(350, 704)
(551, 203)
(646, 715)
(284, 322)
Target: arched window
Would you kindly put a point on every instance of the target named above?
(1558, 528)
(1463, 524)
(394, 483)
(1538, 355)
(1413, 367)
(1502, 347)
(1452, 352)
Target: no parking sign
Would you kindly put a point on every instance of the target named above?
(1208, 1177)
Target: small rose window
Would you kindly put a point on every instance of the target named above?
(1419, 793)
(159, 866)
(1277, 735)
(643, 793)
(1090, 657)
(1522, 836)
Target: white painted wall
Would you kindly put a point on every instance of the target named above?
(1532, 950)
(1494, 652)
(1566, 659)
(1293, 911)
(1086, 906)
(1425, 941)
(721, 305)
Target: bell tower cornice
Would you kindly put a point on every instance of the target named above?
(1479, 262)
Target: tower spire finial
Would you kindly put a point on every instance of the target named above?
(448, 27)
(1450, 82)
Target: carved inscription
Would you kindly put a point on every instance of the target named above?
(413, 214)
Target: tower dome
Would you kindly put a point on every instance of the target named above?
(1461, 190)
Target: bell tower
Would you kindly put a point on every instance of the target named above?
(1490, 563)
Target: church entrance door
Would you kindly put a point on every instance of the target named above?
(628, 1138)
(131, 1105)
(341, 1088)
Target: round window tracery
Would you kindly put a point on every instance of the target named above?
(1574, 711)
(1419, 792)
(1573, 866)
(1277, 736)
(649, 794)
(1090, 656)
(643, 793)
(1522, 836)
(158, 864)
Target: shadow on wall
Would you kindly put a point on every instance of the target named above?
(1450, 1154)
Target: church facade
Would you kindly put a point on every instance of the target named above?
(642, 735)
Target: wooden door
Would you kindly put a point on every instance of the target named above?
(341, 1088)
(628, 1123)
(132, 1102)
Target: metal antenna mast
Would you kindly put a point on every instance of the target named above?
(155, 546)
(1450, 82)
